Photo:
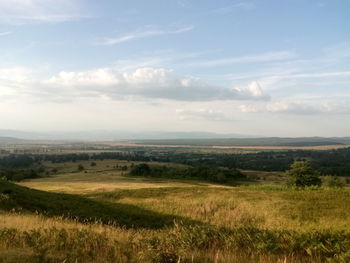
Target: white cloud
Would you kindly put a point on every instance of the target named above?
(148, 31)
(247, 108)
(338, 51)
(151, 83)
(291, 107)
(252, 90)
(339, 106)
(229, 9)
(316, 75)
(320, 75)
(310, 108)
(201, 114)
(24, 11)
(100, 78)
(265, 57)
(5, 33)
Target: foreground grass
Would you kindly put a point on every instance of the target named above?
(178, 244)
(176, 224)
(18, 198)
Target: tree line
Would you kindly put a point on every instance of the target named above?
(328, 162)
(206, 173)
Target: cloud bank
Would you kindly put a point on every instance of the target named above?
(145, 83)
(301, 107)
(309, 108)
(201, 114)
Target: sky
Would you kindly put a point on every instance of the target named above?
(259, 67)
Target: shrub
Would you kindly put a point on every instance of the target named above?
(302, 174)
(140, 170)
(334, 182)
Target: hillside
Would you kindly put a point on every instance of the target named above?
(19, 198)
(9, 140)
(243, 224)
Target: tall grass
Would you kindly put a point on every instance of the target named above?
(178, 244)
(267, 207)
(178, 224)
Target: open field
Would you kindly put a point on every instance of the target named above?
(237, 224)
(100, 178)
(104, 181)
(105, 177)
(100, 214)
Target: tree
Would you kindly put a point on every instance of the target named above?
(140, 170)
(301, 174)
(334, 182)
(80, 167)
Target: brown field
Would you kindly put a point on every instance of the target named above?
(321, 147)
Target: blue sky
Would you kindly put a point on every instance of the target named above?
(269, 68)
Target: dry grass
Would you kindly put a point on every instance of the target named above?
(28, 222)
(266, 209)
(118, 182)
(256, 207)
(214, 204)
(101, 178)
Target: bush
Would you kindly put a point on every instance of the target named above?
(80, 167)
(140, 170)
(18, 174)
(206, 173)
(334, 182)
(302, 174)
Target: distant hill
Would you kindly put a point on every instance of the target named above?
(9, 140)
(166, 138)
(24, 135)
(110, 135)
(272, 141)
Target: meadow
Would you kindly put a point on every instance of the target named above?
(100, 214)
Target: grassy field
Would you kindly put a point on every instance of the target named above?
(104, 216)
(100, 178)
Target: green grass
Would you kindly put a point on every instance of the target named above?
(14, 197)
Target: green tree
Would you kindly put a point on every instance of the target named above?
(80, 167)
(140, 170)
(334, 182)
(301, 174)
